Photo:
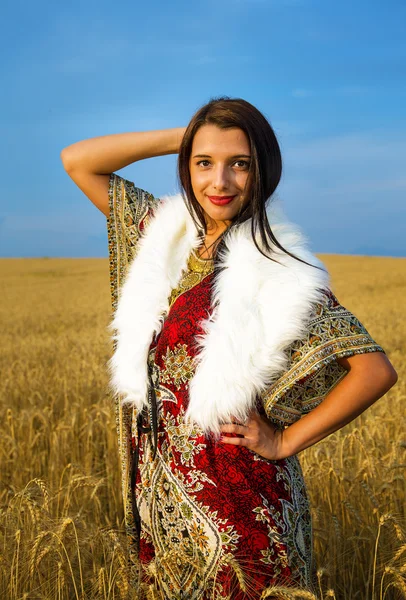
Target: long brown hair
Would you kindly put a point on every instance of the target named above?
(264, 174)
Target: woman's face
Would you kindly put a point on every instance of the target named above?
(219, 164)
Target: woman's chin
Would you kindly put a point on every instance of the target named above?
(221, 213)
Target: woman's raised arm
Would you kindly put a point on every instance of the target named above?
(90, 162)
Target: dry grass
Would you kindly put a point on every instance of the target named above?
(60, 495)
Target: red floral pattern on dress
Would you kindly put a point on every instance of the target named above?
(248, 499)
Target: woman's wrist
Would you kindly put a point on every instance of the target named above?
(287, 447)
(164, 141)
(179, 133)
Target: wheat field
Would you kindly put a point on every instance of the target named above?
(61, 516)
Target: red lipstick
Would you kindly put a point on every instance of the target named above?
(221, 200)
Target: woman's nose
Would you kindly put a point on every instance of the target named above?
(221, 178)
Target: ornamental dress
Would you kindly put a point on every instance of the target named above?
(216, 520)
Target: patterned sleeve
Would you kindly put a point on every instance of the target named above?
(130, 209)
(313, 371)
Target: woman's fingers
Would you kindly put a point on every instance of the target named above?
(253, 416)
(236, 429)
(236, 421)
(258, 434)
(235, 441)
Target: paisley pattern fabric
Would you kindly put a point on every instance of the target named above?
(217, 520)
(333, 332)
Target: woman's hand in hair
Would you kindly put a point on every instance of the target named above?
(259, 435)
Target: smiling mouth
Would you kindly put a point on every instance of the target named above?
(220, 200)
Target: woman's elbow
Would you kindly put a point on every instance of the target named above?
(377, 370)
(387, 375)
(392, 377)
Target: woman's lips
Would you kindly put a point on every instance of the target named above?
(220, 200)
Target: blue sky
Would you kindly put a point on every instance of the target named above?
(329, 76)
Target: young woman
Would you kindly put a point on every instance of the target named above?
(231, 356)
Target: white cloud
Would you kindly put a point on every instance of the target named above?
(342, 188)
(301, 93)
(351, 149)
(291, 128)
(76, 223)
(372, 185)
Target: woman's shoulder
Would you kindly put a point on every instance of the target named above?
(125, 194)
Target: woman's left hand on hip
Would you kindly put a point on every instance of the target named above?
(258, 434)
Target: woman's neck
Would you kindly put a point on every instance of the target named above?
(205, 250)
(208, 245)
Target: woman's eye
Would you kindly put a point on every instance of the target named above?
(243, 163)
(240, 163)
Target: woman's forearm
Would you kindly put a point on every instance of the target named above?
(109, 153)
(360, 388)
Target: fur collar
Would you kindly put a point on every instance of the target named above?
(260, 308)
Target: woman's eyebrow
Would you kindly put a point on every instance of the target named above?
(235, 156)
